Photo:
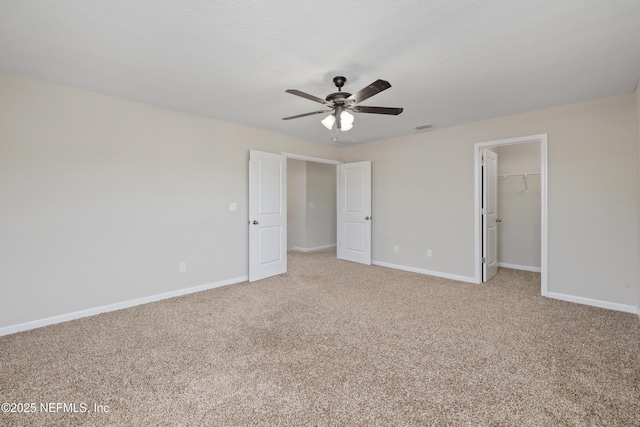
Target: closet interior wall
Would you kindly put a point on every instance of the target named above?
(519, 206)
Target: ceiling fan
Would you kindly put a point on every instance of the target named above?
(342, 103)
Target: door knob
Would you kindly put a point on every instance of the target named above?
(255, 222)
(366, 218)
(498, 220)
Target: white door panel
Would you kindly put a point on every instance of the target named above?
(355, 236)
(354, 190)
(269, 244)
(490, 216)
(267, 215)
(354, 212)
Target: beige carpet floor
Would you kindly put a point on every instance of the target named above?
(332, 343)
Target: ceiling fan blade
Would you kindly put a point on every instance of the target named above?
(307, 114)
(374, 88)
(377, 110)
(306, 95)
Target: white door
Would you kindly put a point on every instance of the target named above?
(490, 214)
(354, 212)
(267, 215)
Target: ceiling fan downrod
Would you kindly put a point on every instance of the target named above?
(339, 81)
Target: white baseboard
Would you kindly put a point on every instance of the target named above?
(113, 307)
(594, 302)
(520, 267)
(423, 271)
(569, 298)
(317, 248)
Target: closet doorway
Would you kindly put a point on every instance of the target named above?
(521, 217)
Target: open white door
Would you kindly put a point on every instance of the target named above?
(489, 214)
(354, 212)
(267, 215)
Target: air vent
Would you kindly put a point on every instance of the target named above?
(423, 127)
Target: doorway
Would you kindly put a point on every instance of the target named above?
(268, 211)
(311, 205)
(540, 139)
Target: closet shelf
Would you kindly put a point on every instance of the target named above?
(524, 177)
(519, 174)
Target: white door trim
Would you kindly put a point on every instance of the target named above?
(544, 228)
(311, 159)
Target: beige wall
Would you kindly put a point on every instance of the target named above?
(102, 198)
(296, 203)
(321, 205)
(423, 196)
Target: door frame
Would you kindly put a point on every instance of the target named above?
(311, 159)
(544, 227)
(302, 157)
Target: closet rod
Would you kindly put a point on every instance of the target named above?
(518, 174)
(524, 178)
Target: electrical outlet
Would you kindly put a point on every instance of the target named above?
(428, 252)
(183, 267)
(396, 248)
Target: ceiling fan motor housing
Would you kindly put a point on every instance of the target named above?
(338, 97)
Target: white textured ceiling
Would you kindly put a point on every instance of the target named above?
(449, 62)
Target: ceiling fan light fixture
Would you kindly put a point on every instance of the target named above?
(328, 121)
(346, 127)
(346, 118)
